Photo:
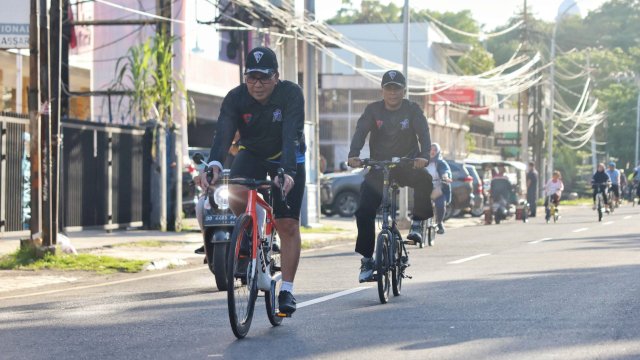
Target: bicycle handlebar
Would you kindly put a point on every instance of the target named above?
(387, 163)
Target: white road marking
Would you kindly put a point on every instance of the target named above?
(468, 259)
(580, 230)
(539, 241)
(103, 284)
(331, 296)
(608, 223)
(627, 217)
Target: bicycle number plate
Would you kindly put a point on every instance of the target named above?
(219, 219)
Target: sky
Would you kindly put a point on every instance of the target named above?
(492, 13)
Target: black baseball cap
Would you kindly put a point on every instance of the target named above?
(394, 77)
(261, 59)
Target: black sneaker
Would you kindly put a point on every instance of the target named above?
(440, 229)
(417, 229)
(286, 303)
(200, 250)
(366, 269)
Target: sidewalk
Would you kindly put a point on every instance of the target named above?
(161, 249)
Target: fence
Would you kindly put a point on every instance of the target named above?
(103, 172)
(12, 179)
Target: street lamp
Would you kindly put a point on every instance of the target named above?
(553, 89)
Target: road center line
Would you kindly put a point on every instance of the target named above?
(467, 259)
(627, 217)
(607, 223)
(580, 230)
(539, 241)
(331, 296)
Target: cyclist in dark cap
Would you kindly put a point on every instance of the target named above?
(269, 114)
(397, 128)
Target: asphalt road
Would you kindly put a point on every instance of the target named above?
(512, 291)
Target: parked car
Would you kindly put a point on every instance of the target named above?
(339, 192)
(461, 190)
(478, 191)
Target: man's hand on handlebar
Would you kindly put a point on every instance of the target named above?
(201, 179)
(354, 162)
(419, 163)
(288, 183)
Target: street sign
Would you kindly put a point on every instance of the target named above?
(14, 24)
(507, 142)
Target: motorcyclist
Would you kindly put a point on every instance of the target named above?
(614, 175)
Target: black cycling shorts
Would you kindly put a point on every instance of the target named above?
(249, 166)
(615, 189)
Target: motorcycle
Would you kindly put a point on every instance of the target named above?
(217, 222)
(504, 202)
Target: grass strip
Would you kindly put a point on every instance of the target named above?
(25, 259)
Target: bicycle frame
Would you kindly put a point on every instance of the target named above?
(253, 200)
(389, 206)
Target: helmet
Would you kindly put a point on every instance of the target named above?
(612, 163)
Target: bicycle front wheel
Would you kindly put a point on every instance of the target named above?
(383, 266)
(397, 266)
(242, 285)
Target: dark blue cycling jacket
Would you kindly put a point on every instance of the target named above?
(400, 133)
(274, 132)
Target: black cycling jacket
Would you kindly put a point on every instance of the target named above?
(600, 178)
(400, 133)
(274, 131)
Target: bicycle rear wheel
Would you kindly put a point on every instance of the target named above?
(242, 285)
(383, 265)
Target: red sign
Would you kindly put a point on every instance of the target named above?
(478, 110)
(458, 95)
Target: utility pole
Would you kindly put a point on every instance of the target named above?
(594, 155)
(45, 126)
(403, 219)
(524, 117)
(34, 122)
(55, 39)
(311, 202)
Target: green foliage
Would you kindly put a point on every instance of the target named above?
(476, 61)
(25, 259)
(147, 70)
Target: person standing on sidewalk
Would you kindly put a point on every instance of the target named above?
(397, 128)
(269, 114)
(532, 188)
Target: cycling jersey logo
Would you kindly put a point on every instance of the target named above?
(258, 55)
(392, 74)
(404, 124)
(247, 118)
(379, 123)
(277, 116)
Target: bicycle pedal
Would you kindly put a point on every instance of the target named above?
(405, 276)
(409, 242)
(282, 315)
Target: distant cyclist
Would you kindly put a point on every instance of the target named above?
(636, 180)
(614, 175)
(600, 181)
(553, 190)
(397, 128)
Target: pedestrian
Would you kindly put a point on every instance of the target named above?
(441, 174)
(532, 188)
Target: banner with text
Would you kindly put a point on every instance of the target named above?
(14, 24)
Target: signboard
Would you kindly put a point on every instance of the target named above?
(507, 142)
(458, 95)
(14, 24)
(506, 120)
(477, 110)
